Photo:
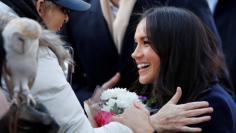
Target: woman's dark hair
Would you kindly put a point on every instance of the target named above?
(190, 56)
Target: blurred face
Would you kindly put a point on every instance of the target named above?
(53, 15)
(147, 60)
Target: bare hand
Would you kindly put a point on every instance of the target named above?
(175, 118)
(109, 84)
(112, 82)
(137, 118)
(91, 105)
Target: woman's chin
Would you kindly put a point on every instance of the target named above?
(144, 80)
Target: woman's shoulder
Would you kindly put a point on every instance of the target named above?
(216, 91)
(217, 94)
(223, 118)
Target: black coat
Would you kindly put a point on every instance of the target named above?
(96, 55)
(223, 118)
(225, 19)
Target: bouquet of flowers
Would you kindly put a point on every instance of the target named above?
(112, 102)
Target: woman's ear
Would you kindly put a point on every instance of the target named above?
(39, 7)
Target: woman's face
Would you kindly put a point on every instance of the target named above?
(53, 15)
(147, 60)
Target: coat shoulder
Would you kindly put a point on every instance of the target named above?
(223, 118)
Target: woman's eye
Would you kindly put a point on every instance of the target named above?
(146, 43)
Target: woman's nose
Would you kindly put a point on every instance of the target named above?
(137, 53)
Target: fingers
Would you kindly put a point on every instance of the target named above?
(96, 95)
(112, 82)
(198, 112)
(138, 105)
(197, 120)
(190, 129)
(117, 119)
(141, 107)
(176, 97)
(194, 105)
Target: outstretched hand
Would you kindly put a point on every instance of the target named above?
(176, 118)
(109, 84)
(91, 105)
(136, 118)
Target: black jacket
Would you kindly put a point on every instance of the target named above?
(225, 19)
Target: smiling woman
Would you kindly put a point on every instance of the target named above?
(175, 49)
(148, 62)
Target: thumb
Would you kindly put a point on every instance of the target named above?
(138, 105)
(117, 119)
(141, 107)
(175, 99)
(112, 82)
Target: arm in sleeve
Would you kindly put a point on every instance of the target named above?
(52, 89)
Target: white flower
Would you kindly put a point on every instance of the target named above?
(119, 96)
(112, 93)
(108, 105)
(122, 104)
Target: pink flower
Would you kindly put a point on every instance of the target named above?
(103, 117)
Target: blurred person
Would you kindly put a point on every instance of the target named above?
(223, 12)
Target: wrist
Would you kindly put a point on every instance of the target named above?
(155, 125)
(149, 128)
(145, 129)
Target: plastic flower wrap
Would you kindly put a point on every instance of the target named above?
(112, 102)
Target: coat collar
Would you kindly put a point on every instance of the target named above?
(117, 26)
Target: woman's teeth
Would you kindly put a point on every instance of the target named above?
(140, 66)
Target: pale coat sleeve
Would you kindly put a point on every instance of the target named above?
(52, 89)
